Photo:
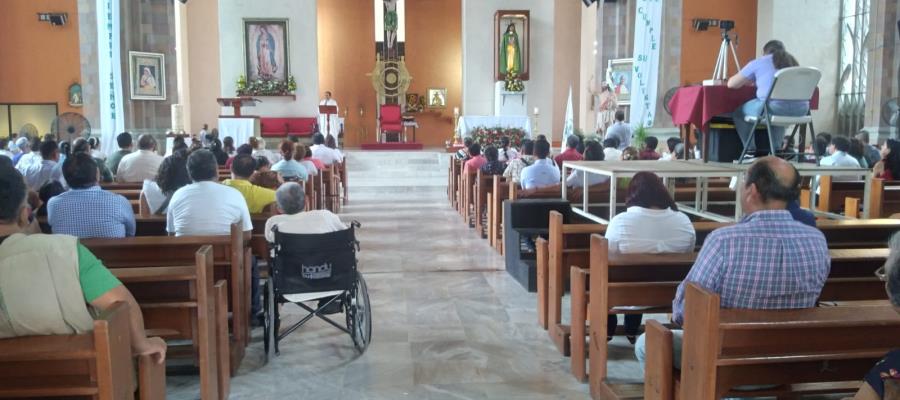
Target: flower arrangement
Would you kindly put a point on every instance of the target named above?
(263, 87)
(513, 83)
(491, 136)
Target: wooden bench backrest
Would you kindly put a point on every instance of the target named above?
(727, 348)
(98, 363)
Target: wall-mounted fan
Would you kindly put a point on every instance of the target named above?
(890, 112)
(668, 97)
(70, 126)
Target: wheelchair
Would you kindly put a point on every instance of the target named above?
(321, 268)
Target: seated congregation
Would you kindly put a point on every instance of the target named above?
(168, 242)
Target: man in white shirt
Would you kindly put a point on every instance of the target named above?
(206, 207)
(329, 124)
(44, 169)
(543, 173)
(839, 158)
(204, 137)
(322, 152)
(291, 202)
(620, 130)
(142, 164)
(30, 152)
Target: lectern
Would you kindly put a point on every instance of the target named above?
(328, 111)
(237, 103)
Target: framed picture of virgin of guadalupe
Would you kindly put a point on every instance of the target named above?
(512, 44)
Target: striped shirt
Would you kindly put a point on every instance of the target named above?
(767, 261)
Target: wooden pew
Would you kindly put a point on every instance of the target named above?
(884, 200)
(122, 186)
(651, 280)
(467, 201)
(453, 180)
(182, 303)
(824, 349)
(499, 193)
(483, 186)
(231, 260)
(345, 184)
(98, 364)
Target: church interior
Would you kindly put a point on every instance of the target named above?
(450, 199)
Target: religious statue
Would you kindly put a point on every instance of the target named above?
(606, 112)
(265, 54)
(510, 54)
(390, 22)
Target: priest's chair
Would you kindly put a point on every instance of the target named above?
(390, 121)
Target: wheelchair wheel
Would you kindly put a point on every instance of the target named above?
(269, 323)
(359, 315)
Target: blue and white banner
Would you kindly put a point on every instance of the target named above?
(645, 76)
(112, 113)
(569, 123)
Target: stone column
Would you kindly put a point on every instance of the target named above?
(884, 65)
(90, 83)
(669, 60)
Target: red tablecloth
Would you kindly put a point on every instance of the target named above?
(697, 105)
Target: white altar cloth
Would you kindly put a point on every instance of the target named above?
(240, 129)
(468, 123)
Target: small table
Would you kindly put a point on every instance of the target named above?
(697, 105)
(410, 123)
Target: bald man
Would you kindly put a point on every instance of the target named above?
(767, 260)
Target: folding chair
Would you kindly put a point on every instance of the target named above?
(790, 84)
(305, 268)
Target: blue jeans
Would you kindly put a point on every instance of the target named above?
(754, 107)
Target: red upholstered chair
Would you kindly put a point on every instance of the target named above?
(391, 121)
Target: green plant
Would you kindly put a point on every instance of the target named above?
(263, 87)
(513, 83)
(640, 133)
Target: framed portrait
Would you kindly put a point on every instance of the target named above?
(436, 98)
(512, 39)
(266, 49)
(74, 95)
(414, 103)
(619, 77)
(147, 74)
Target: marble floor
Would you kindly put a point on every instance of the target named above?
(449, 323)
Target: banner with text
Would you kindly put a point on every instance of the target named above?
(109, 65)
(645, 73)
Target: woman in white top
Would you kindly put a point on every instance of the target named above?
(171, 176)
(506, 153)
(651, 224)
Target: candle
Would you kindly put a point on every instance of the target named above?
(536, 111)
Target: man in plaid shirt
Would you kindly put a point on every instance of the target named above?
(767, 261)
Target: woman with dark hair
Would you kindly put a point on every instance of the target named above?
(48, 191)
(170, 177)
(300, 151)
(289, 168)
(858, 151)
(889, 166)
(463, 153)
(228, 145)
(651, 224)
(761, 71)
(242, 149)
(506, 153)
(216, 148)
(315, 161)
(493, 166)
(264, 175)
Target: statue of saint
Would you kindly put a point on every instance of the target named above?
(510, 55)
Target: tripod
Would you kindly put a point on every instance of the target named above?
(721, 71)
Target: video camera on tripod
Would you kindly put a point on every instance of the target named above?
(720, 73)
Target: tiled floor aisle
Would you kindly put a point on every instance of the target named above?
(449, 323)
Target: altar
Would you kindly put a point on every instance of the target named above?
(469, 123)
(240, 129)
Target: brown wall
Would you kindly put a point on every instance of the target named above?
(38, 61)
(434, 59)
(203, 64)
(699, 49)
(346, 36)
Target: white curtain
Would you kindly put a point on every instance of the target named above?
(645, 75)
(112, 118)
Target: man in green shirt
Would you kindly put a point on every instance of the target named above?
(36, 268)
(125, 143)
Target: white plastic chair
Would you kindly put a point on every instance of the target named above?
(790, 84)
